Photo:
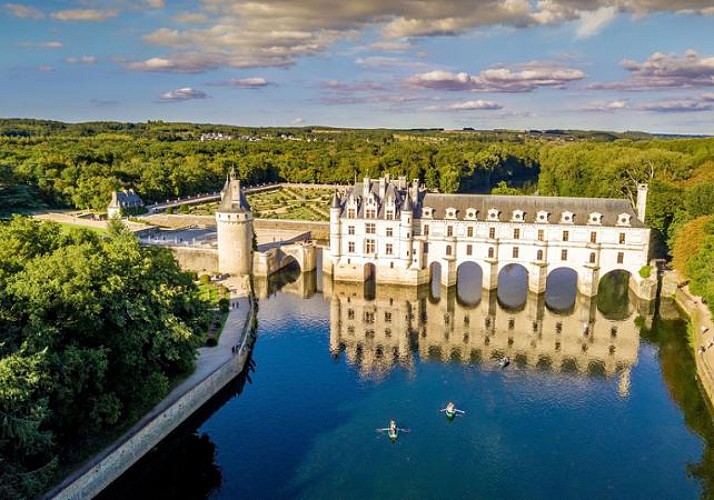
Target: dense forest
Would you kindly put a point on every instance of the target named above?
(94, 329)
(78, 165)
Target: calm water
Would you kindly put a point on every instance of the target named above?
(600, 401)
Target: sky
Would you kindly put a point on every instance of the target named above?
(518, 64)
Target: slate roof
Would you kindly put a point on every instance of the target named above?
(581, 207)
(233, 199)
(125, 199)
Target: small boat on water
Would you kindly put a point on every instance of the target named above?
(504, 362)
(451, 411)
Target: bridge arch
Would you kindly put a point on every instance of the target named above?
(512, 289)
(613, 297)
(469, 284)
(561, 289)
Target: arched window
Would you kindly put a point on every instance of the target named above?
(490, 253)
(592, 257)
(539, 255)
(448, 249)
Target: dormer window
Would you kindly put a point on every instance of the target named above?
(493, 214)
(451, 213)
(542, 216)
(624, 219)
(518, 216)
(428, 212)
(595, 218)
(567, 217)
(389, 214)
(471, 213)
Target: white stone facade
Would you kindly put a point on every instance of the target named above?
(399, 231)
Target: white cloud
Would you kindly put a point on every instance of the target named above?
(155, 4)
(593, 22)
(520, 78)
(42, 45)
(184, 94)
(338, 86)
(663, 71)
(708, 97)
(683, 106)
(81, 60)
(23, 11)
(245, 83)
(298, 121)
(261, 33)
(478, 105)
(91, 15)
(607, 106)
(391, 46)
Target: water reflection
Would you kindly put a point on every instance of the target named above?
(512, 291)
(400, 323)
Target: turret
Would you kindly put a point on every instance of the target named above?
(641, 201)
(234, 222)
(405, 229)
(335, 227)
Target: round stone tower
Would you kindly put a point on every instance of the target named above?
(234, 222)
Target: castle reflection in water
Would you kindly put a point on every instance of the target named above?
(381, 328)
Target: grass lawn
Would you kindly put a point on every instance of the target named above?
(67, 227)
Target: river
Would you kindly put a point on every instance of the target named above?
(599, 400)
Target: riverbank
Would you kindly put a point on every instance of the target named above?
(215, 367)
(702, 336)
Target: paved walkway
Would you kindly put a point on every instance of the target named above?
(211, 358)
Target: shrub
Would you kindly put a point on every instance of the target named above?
(645, 272)
(205, 279)
(169, 210)
(224, 305)
(211, 342)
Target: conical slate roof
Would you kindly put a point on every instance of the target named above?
(407, 205)
(335, 201)
(232, 197)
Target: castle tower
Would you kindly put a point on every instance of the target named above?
(335, 227)
(234, 221)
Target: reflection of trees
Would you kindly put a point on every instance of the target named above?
(612, 297)
(678, 365)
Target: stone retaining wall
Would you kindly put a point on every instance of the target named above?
(108, 465)
(700, 317)
(201, 260)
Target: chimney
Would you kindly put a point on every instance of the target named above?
(415, 191)
(365, 187)
(641, 201)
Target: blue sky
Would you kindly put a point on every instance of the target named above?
(606, 64)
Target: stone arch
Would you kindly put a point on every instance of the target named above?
(512, 289)
(561, 289)
(469, 281)
(613, 298)
(435, 271)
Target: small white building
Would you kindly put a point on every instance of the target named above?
(398, 232)
(124, 202)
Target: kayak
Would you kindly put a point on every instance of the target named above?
(450, 414)
(393, 435)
